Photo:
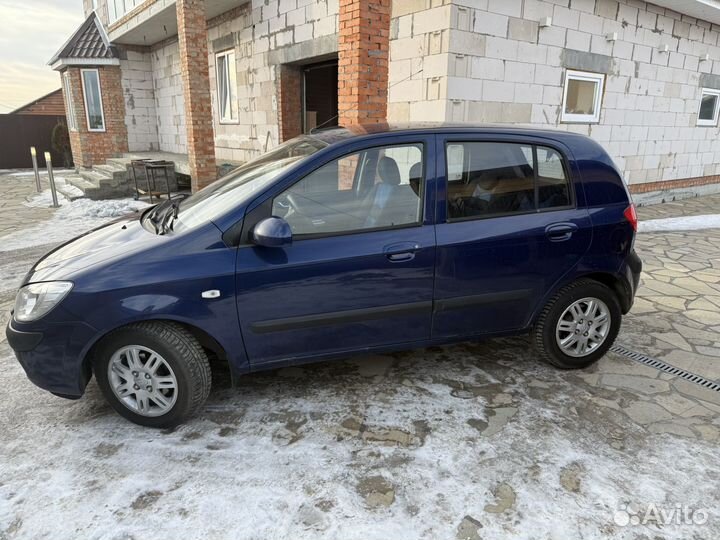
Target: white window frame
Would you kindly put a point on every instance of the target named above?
(69, 103)
(116, 9)
(716, 113)
(599, 79)
(102, 107)
(229, 63)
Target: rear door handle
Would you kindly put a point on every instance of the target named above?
(401, 252)
(560, 232)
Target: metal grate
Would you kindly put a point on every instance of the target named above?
(667, 368)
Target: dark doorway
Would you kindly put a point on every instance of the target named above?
(320, 98)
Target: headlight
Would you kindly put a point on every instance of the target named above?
(36, 300)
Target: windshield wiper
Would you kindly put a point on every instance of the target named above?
(166, 218)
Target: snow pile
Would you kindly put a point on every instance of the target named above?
(685, 223)
(44, 200)
(70, 220)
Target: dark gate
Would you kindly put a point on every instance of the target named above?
(18, 132)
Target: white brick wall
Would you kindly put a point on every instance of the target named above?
(514, 72)
(169, 100)
(265, 26)
(422, 77)
(140, 112)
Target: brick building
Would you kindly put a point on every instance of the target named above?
(48, 105)
(220, 81)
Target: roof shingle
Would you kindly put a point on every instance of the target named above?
(88, 42)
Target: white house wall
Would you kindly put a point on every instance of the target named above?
(139, 94)
(495, 64)
(169, 100)
(265, 36)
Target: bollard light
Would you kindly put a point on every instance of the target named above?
(48, 162)
(33, 153)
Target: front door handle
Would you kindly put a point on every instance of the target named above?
(401, 252)
(560, 232)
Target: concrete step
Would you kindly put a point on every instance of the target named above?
(69, 187)
(110, 170)
(90, 189)
(100, 186)
(119, 163)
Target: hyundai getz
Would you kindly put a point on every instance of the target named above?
(340, 242)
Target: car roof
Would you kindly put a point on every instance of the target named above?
(339, 134)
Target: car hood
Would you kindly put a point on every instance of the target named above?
(115, 239)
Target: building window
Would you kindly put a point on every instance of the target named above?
(709, 107)
(227, 87)
(69, 102)
(582, 97)
(93, 100)
(116, 9)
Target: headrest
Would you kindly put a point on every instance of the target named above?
(416, 171)
(389, 171)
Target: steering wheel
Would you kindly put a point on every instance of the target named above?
(298, 203)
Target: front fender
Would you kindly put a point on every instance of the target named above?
(217, 318)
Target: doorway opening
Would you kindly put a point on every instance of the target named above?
(319, 95)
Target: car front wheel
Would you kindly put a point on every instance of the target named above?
(578, 325)
(154, 374)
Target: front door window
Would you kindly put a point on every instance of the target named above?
(377, 188)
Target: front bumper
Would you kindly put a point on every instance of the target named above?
(52, 354)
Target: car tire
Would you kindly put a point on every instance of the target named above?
(559, 335)
(153, 373)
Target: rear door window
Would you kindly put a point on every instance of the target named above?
(490, 178)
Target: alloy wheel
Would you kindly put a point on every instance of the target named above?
(142, 380)
(583, 327)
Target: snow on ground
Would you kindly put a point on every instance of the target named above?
(43, 172)
(44, 199)
(686, 223)
(292, 454)
(70, 220)
(477, 440)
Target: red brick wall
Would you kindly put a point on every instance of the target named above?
(192, 34)
(363, 49)
(290, 99)
(50, 105)
(94, 148)
(674, 184)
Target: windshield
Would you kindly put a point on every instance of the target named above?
(244, 182)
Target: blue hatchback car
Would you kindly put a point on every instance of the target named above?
(337, 243)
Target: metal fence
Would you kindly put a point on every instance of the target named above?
(19, 132)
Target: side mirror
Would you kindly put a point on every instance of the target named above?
(272, 232)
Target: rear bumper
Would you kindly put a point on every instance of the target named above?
(632, 268)
(52, 355)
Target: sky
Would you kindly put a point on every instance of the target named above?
(31, 31)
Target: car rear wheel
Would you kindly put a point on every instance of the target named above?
(155, 374)
(578, 325)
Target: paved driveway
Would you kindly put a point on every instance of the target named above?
(477, 440)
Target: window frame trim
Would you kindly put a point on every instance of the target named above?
(221, 119)
(85, 103)
(572, 118)
(423, 190)
(716, 111)
(69, 96)
(566, 170)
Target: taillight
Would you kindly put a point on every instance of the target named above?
(631, 215)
